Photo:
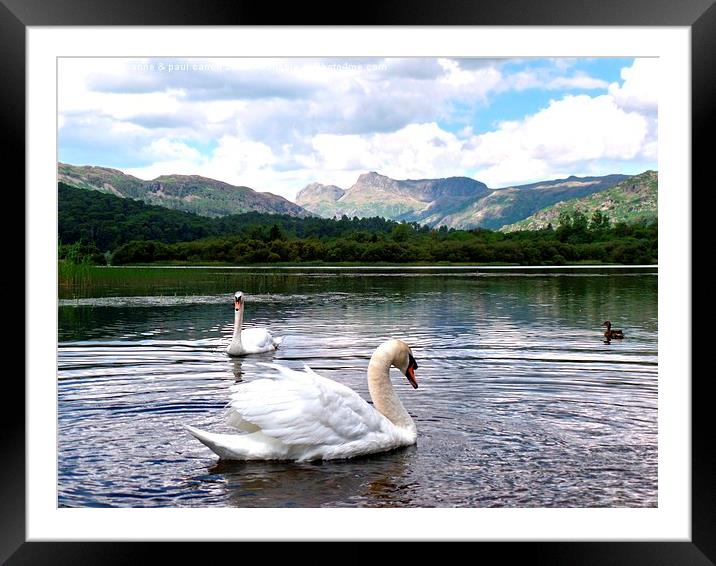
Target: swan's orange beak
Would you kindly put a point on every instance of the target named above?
(237, 304)
(410, 374)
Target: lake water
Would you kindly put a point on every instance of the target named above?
(520, 404)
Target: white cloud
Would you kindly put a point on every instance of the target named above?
(473, 83)
(567, 134)
(415, 151)
(235, 160)
(579, 80)
(240, 156)
(640, 87)
(305, 121)
(221, 111)
(369, 96)
(164, 167)
(337, 152)
(548, 78)
(165, 149)
(75, 95)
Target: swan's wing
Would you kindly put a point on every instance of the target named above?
(304, 408)
(233, 418)
(257, 338)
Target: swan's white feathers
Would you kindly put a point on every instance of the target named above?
(300, 408)
(300, 415)
(236, 420)
(256, 340)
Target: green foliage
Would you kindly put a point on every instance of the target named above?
(401, 232)
(81, 253)
(634, 199)
(574, 228)
(599, 221)
(275, 233)
(109, 221)
(136, 233)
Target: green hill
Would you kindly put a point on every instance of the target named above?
(632, 200)
(110, 221)
(190, 193)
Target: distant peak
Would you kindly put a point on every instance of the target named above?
(320, 186)
(318, 192)
(371, 175)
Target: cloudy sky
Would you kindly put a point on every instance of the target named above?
(278, 124)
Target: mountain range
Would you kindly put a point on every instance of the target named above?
(456, 202)
(190, 193)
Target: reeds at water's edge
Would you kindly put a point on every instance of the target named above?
(76, 280)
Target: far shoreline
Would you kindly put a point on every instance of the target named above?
(415, 267)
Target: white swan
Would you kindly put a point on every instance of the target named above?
(300, 415)
(251, 340)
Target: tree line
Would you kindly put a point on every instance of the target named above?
(101, 228)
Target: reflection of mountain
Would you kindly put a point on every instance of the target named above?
(371, 481)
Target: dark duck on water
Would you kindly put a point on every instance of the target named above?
(609, 333)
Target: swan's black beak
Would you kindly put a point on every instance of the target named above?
(410, 372)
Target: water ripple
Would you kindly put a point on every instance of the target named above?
(520, 403)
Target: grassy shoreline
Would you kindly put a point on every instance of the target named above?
(69, 272)
(89, 280)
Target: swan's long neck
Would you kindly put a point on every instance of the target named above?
(238, 320)
(382, 392)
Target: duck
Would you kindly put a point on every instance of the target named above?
(609, 333)
(303, 416)
(251, 340)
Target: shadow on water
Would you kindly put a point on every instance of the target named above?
(379, 480)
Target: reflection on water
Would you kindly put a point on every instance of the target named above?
(236, 369)
(317, 484)
(521, 402)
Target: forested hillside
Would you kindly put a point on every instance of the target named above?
(101, 227)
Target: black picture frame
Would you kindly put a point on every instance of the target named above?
(699, 15)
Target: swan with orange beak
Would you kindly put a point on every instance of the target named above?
(289, 414)
(250, 340)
